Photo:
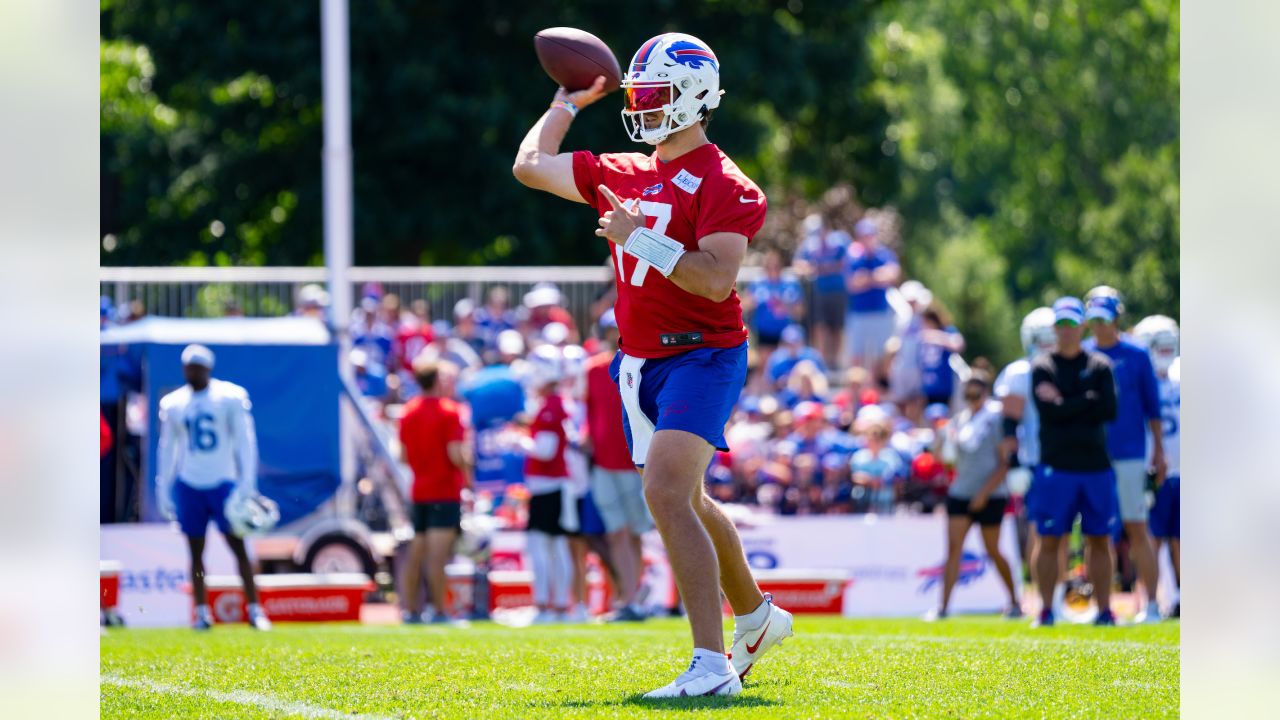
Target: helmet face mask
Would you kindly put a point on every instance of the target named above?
(674, 77)
(1159, 335)
(1037, 331)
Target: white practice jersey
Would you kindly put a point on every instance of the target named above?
(1171, 419)
(1015, 379)
(207, 437)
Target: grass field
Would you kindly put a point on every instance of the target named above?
(834, 667)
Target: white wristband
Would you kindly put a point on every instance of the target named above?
(654, 248)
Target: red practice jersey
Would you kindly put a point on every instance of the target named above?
(550, 418)
(697, 194)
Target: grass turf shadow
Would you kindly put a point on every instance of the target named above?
(691, 704)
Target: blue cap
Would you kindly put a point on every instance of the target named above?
(750, 403)
(608, 319)
(1103, 307)
(937, 411)
(793, 333)
(866, 226)
(1068, 308)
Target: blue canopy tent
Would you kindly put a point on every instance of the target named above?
(288, 365)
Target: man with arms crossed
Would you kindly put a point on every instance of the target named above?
(1137, 416)
(208, 453)
(678, 222)
(1075, 397)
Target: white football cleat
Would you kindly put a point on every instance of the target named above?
(258, 618)
(750, 645)
(1149, 616)
(698, 681)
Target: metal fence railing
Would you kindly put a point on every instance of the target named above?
(272, 291)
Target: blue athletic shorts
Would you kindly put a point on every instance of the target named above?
(196, 507)
(1029, 500)
(694, 391)
(1166, 513)
(1062, 494)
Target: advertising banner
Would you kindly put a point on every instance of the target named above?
(894, 563)
(154, 571)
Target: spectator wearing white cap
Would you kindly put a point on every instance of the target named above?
(313, 301)
(208, 460)
(870, 269)
(465, 328)
(906, 381)
(543, 305)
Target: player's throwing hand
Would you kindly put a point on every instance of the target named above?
(618, 224)
(582, 98)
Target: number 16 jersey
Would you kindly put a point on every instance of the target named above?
(697, 194)
(207, 437)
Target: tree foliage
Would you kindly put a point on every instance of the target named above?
(441, 96)
(1042, 137)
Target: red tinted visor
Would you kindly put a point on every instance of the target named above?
(648, 97)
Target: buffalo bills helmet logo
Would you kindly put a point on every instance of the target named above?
(972, 567)
(691, 54)
(652, 190)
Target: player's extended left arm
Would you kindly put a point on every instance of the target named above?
(246, 448)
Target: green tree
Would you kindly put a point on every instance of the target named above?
(441, 96)
(1041, 134)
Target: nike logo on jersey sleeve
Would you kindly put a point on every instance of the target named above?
(748, 201)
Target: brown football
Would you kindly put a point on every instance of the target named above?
(574, 58)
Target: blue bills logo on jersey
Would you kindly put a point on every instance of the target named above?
(652, 190)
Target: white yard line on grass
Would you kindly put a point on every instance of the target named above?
(1005, 640)
(238, 697)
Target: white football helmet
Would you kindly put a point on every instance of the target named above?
(251, 514)
(675, 75)
(546, 365)
(1159, 335)
(1037, 331)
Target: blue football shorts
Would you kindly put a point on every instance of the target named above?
(1061, 495)
(1166, 513)
(195, 507)
(694, 391)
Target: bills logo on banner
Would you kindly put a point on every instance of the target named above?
(972, 566)
(891, 561)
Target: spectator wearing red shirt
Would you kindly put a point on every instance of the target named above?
(434, 439)
(616, 486)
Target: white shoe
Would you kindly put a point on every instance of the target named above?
(258, 619)
(750, 645)
(697, 681)
(546, 617)
(1149, 616)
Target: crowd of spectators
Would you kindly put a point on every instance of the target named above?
(847, 424)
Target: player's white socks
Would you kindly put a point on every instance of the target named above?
(539, 546)
(1059, 598)
(753, 619)
(716, 662)
(562, 572)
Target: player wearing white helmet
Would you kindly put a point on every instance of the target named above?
(208, 464)
(1159, 335)
(678, 222)
(1022, 423)
(546, 475)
